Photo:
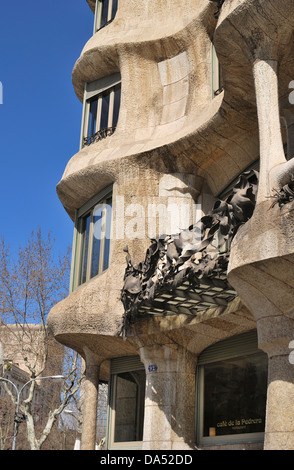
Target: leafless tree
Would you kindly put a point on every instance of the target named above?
(30, 284)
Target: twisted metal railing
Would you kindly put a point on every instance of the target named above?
(196, 254)
(101, 134)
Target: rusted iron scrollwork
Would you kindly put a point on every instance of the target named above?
(194, 254)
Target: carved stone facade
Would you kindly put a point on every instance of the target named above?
(179, 145)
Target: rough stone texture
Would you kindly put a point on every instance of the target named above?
(170, 397)
(90, 391)
(170, 128)
(261, 262)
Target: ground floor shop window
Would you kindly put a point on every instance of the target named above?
(126, 403)
(232, 386)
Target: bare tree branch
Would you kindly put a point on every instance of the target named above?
(30, 284)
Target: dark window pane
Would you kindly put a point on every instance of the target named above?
(85, 246)
(95, 257)
(129, 406)
(114, 8)
(235, 396)
(107, 236)
(101, 237)
(94, 252)
(92, 117)
(104, 15)
(97, 235)
(116, 106)
(104, 110)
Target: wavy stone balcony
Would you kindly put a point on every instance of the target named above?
(170, 125)
(182, 128)
(166, 100)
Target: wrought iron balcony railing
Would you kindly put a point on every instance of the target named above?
(186, 273)
(101, 134)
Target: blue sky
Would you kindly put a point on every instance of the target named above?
(40, 117)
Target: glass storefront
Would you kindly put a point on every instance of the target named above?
(235, 394)
(232, 387)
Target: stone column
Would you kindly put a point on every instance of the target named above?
(275, 172)
(261, 267)
(275, 334)
(169, 421)
(90, 403)
(267, 289)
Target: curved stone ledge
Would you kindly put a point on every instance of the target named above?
(216, 132)
(219, 136)
(268, 235)
(162, 29)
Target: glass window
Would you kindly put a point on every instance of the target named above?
(85, 235)
(116, 106)
(92, 241)
(232, 396)
(105, 110)
(92, 117)
(101, 112)
(127, 399)
(104, 13)
(129, 406)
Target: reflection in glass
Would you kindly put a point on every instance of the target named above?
(95, 252)
(105, 12)
(92, 117)
(105, 110)
(107, 235)
(114, 8)
(235, 396)
(85, 246)
(93, 243)
(129, 406)
(116, 105)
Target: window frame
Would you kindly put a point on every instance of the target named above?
(119, 366)
(98, 14)
(76, 262)
(240, 346)
(93, 90)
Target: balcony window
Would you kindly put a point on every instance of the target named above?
(92, 239)
(101, 109)
(105, 12)
(127, 399)
(232, 386)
